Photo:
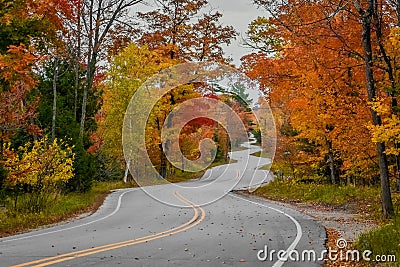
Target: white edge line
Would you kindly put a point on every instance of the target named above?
(298, 228)
(76, 226)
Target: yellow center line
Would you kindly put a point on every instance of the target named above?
(86, 252)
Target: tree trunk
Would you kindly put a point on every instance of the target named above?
(128, 164)
(331, 157)
(387, 205)
(163, 162)
(391, 75)
(83, 113)
(76, 90)
(397, 172)
(77, 59)
(53, 120)
(91, 64)
(86, 88)
(2, 133)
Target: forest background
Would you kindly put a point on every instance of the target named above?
(68, 68)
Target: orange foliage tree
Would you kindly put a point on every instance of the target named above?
(174, 29)
(322, 63)
(26, 27)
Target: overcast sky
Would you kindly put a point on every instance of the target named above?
(237, 13)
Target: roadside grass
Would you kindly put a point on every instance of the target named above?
(239, 148)
(286, 190)
(180, 176)
(64, 207)
(261, 154)
(384, 241)
(265, 167)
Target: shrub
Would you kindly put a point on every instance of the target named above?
(40, 169)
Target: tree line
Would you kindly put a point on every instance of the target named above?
(67, 71)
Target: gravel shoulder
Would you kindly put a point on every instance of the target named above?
(343, 220)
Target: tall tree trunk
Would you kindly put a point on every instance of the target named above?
(332, 168)
(387, 205)
(88, 86)
(83, 113)
(397, 171)
(77, 59)
(391, 75)
(90, 65)
(76, 88)
(53, 120)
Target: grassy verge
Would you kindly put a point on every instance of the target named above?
(261, 154)
(265, 167)
(181, 176)
(240, 148)
(63, 208)
(384, 241)
(322, 193)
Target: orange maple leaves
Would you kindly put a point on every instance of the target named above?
(312, 68)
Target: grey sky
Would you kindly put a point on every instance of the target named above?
(237, 13)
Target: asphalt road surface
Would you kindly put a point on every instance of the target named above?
(132, 228)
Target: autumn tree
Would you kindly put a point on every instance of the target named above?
(369, 15)
(26, 27)
(97, 25)
(319, 49)
(178, 29)
(128, 71)
(61, 121)
(43, 166)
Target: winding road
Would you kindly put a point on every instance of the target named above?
(133, 229)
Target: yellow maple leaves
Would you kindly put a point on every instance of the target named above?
(389, 131)
(41, 164)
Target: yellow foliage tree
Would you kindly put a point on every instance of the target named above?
(128, 71)
(42, 166)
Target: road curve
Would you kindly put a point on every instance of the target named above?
(133, 229)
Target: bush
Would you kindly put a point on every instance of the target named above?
(85, 171)
(40, 169)
(3, 177)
